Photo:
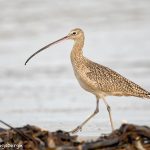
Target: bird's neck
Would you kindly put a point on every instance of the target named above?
(77, 52)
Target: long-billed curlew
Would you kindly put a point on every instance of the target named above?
(95, 78)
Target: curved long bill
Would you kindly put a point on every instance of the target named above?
(43, 48)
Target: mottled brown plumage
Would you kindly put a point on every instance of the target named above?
(95, 78)
(112, 83)
(101, 80)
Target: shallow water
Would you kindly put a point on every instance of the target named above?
(45, 92)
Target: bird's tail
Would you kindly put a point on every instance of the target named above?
(140, 92)
(148, 96)
(143, 95)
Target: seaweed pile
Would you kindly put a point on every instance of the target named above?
(127, 137)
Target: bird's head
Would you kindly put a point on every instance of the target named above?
(75, 34)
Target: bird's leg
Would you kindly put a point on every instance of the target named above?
(91, 116)
(109, 111)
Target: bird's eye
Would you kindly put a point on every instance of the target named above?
(74, 33)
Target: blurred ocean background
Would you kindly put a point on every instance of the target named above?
(46, 92)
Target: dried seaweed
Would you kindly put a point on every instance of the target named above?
(127, 137)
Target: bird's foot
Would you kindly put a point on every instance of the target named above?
(78, 128)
